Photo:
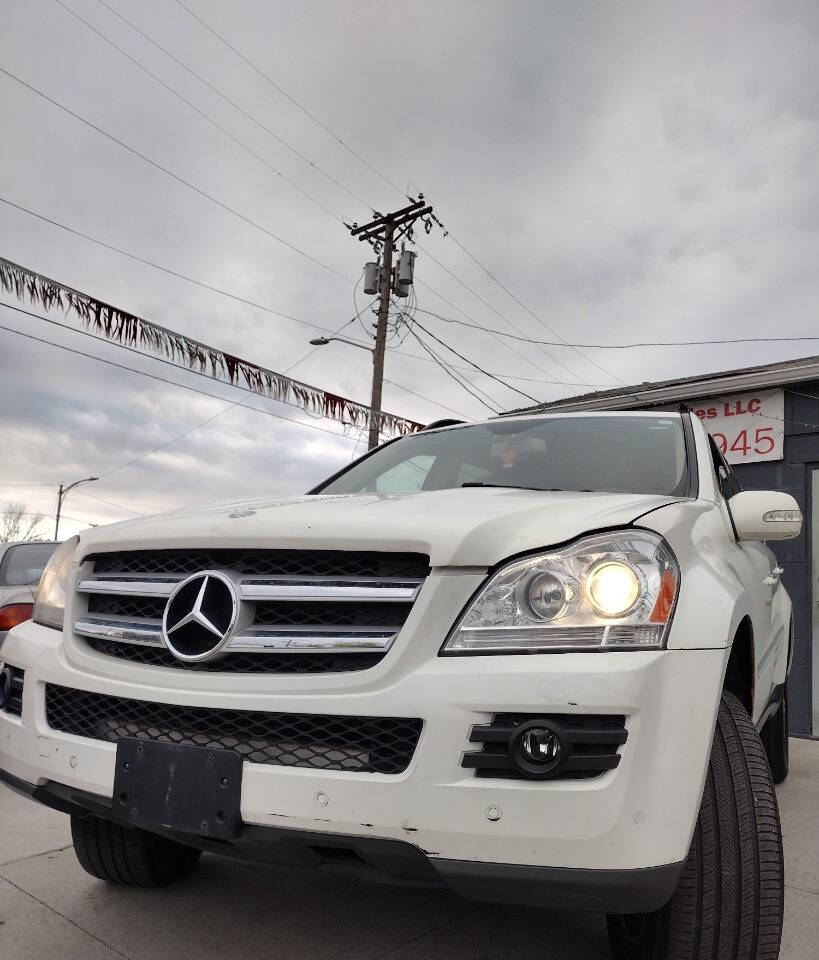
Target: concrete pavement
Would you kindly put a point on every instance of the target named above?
(50, 908)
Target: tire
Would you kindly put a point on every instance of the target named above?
(774, 737)
(128, 855)
(729, 900)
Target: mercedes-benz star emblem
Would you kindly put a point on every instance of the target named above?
(200, 616)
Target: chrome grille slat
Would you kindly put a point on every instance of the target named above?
(129, 588)
(144, 631)
(341, 639)
(315, 589)
(360, 609)
(149, 632)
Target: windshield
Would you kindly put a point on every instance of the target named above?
(618, 454)
(23, 565)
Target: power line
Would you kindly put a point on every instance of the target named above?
(157, 266)
(253, 153)
(119, 326)
(334, 332)
(196, 109)
(174, 176)
(152, 376)
(161, 446)
(420, 396)
(575, 346)
(287, 96)
(622, 346)
(250, 116)
(196, 426)
(181, 436)
(451, 373)
(531, 313)
(163, 360)
(40, 483)
(487, 304)
(23, 483)
(235, 297)
(234, 104)
(167, 443)
(52, 516)
(316, 120)
(508, 346)
(473, 364)
(289, 146)
(110, 503)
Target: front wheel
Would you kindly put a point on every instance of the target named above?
(730, 898)
(128, 855)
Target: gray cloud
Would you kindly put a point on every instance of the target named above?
(629, 170)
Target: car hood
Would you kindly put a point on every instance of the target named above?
(460, 527)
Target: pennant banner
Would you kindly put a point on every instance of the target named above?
(119, 326)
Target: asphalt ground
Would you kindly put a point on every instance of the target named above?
(50, 908)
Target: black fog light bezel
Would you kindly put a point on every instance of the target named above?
(6, 679)
(532, 769)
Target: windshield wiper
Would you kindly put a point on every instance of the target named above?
(511, 486)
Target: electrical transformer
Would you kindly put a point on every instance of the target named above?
(371, 276)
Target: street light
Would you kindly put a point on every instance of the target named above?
(61, 495)
(323, 341)
(374, 415)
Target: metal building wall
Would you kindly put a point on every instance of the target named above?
(793, 475)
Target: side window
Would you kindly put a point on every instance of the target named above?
(730, 477)
(407, 476)
(726, 479)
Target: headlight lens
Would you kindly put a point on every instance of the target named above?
(611, 591)
(613, 588)
(49, 601)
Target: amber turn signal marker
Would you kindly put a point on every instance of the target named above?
(665, 599)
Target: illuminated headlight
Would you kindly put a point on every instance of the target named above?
(610, 591)
(49, 601)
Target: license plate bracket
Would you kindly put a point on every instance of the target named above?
(180, 787)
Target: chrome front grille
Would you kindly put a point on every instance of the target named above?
(296, 603)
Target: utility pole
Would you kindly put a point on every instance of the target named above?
(386, 231)
(57, 519)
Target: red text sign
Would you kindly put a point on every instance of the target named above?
(747, 427)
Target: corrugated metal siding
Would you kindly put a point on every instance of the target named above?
(793, 475)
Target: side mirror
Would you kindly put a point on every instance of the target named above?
(765, 515)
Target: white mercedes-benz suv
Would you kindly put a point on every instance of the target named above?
(536, 659)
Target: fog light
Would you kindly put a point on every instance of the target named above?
(5, 686)
(540, 745)
(538, 749)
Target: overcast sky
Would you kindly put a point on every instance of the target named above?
(627, 170)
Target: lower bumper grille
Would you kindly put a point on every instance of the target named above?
(325, 742)
(590, 744)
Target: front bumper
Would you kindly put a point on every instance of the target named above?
(607, 891)
(639, 816)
